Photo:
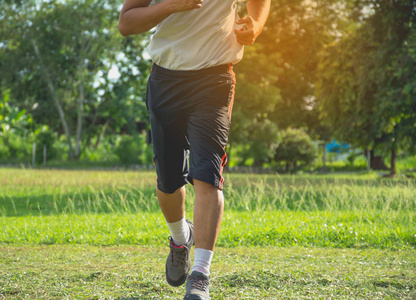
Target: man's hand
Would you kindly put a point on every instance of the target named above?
(185, 5)
(249, 34)
(258, 11)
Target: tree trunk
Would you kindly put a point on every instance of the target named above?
(393, 160)
(101, 136)
(287, 166)
(368, 159)
(324, 157)
(55, 98)
(79, 120)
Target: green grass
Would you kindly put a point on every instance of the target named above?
(315, 229)
(128, 272)
(100, 235)
(116, 207)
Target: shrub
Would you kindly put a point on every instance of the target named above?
(44, 136)
(296, 145)
(132, 150)
(104, 152)
(4, 150)
(15, 148)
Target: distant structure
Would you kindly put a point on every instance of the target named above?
(336, 147)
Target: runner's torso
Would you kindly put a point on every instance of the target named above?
(197, 39)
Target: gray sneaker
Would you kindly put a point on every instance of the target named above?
(178, 263)
(197, 286)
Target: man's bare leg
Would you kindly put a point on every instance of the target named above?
(173, 208)
(208, 210)
(178, 263)
(172, 205)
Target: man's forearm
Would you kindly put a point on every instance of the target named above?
(137, 20)
(137, 16)
(259, 10)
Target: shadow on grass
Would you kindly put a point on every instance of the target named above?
(395, 285)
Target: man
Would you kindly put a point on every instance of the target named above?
(190, 93)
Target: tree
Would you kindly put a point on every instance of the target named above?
(256, 98)
(57, 52)
(276, 79)
(364, 88)
(298, 30)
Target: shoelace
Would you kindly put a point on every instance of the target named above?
(180, 258)
(198, 283)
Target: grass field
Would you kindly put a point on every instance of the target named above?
(130, 272)
(100, 234)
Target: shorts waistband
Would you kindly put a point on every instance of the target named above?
(211, 70)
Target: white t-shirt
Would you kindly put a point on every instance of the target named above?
(197, 39)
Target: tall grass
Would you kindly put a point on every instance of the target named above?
(310, 194)
(107, 208)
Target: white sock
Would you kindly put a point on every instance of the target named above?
(179, 232)
(202, 260)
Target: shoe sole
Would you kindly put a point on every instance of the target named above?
(195, 297)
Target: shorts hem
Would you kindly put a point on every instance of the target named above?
(171, 190)
(215, 181)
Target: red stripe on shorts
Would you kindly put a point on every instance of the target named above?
(230, 105)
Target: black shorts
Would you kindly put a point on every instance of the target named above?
(190, 115)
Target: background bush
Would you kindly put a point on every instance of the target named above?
(133, 150)
(296, 146)
(14, 147)
(45, 137)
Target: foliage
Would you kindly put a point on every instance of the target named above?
(102, 153)
(61, 60)
(45, 137)
(15, 148)
(132, 150)
(366, 79)
(339, 69)
(261, 141)
(275, 80)
(14, 137)
(296, 145)
(12, 119)
(4, 150)
(256, 97)
(294, 35)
